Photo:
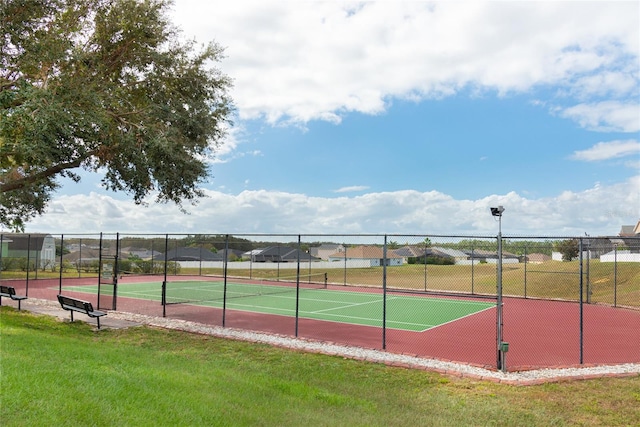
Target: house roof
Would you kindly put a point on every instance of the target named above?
(85, 254)
(453, 253)
(410, 251)
(328, 246)
(283, 253)
(23, 241)
(535, 257)
(628, 230)
(190, 254)
(364, 252)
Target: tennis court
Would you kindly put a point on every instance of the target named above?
(415, 313)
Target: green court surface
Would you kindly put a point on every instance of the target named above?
(403, 312)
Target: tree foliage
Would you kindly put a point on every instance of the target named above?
(108, 86)
(568, 248)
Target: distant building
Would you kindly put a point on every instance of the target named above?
(537, 258)
(373, 255)
(4, 247)
(325, 250)
(281, 254)
(40, 249)
(189, 254)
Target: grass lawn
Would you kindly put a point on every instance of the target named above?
(60, 373)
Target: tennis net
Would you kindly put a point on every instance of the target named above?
(200, 291)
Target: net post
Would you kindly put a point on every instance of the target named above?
(164, 298)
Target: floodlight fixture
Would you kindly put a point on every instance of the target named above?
(497, 211)
(502, 346)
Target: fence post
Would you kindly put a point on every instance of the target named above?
(298, 286)
(164, 282)
(345, 263)
(499, 318)
(61, 264)
(525, 270)
(580, 257)
(29, 260)
(224, 271)
(615, 275)
(425, 265)
(384, 294)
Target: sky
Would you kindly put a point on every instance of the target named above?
(406, 117)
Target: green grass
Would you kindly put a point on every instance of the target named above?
(60, 373)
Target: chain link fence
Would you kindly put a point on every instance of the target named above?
(541, 301)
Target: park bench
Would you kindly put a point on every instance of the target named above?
(10, 292)
(73, 304)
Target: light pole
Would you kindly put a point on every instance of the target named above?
(503, 347)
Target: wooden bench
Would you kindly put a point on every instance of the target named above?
(10, 292)
(73, 304)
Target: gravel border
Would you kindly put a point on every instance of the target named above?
(529, 377)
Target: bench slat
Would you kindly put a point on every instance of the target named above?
(10, 292)
(73, 304)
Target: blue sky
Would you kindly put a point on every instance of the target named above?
(408, 117)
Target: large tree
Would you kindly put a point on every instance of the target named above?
(109, 86)
(568, 248)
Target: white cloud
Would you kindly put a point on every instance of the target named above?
(410, 212)
(606, 116)
(609, 150)
(315, 60)
(352, 188)
(614, 83)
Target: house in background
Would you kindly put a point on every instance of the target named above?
(189, 254)
(84, 258)
(232, 254)
(537, 258)
(630, 230)
(372, 255)
(141, 253)
(325, 250)
(281, 254)
(629, 237)
(4, 247)
(40, 249)
(626, 248)
(491, 257)
(418, 254)
(459, 257)
(410, 252)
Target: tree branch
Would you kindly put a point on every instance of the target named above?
(20, 183)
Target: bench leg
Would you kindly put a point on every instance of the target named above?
(72, 315)
(19, 305)
(98, 319)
